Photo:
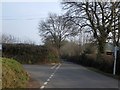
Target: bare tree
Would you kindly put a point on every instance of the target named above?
(8, 38)
(116, 26)
(28, 41)
(56, 29)
(97, 17)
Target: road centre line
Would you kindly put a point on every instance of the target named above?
(45, 83)
(58, 66)
(48, 80)
(52, 75)
(54, 66)
(42, 87)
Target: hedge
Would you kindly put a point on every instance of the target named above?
(29, 54)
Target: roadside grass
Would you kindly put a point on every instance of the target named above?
(106, 74)
(13, 74)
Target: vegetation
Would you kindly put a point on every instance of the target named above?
(55, 29)
(69, 49)
(13, 75)
(100, 18)
(10, 39)
(86, 55)
(29, 54)
(89, 59)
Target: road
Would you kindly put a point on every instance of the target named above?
(69, 75)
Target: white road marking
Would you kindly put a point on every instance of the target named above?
(45, 83)
(42, 87)
(52, 75)
(48, 80)
(58, 66)
(53, 66)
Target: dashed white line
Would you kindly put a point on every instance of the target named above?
(48, 80)
(52, 75)
(53, 66)
(42, 87)
(45, 83)
(58, 66)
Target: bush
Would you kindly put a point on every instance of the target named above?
(13, 74)
(104, 63)
(28, 54)
(53, 55)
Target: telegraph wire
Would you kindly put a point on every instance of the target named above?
(22, 18)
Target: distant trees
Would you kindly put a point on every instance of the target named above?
(55, 29)
(70, 48)
(8, 38)
(99, 17)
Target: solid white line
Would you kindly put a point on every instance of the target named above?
(42, 87)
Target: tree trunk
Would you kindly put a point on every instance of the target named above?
(101, 45)
(59, 56)
(101, 49)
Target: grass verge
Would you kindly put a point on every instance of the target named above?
(13, 74)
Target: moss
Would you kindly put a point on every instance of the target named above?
(13, 74)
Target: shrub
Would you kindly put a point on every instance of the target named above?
(53, 55)
(28, 54)
(104, 63)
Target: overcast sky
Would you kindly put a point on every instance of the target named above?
(21, 19)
